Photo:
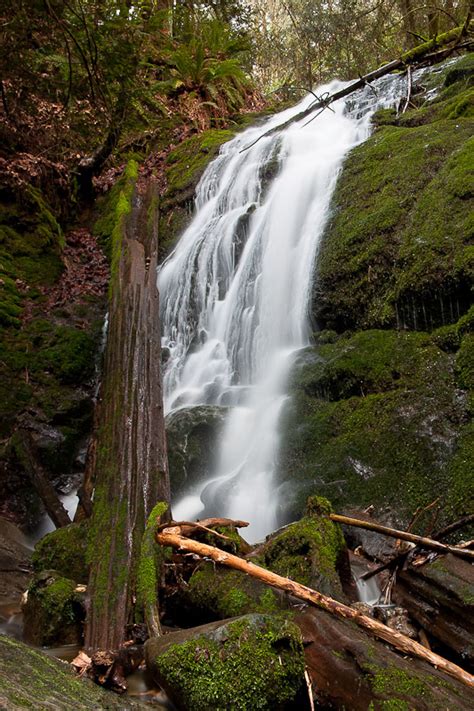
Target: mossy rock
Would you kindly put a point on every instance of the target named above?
(397, 251)
(54, 611)
(311, 551)
(64, 551)
(251, 662)
(30, 679)
(191, 437)
(377, 417)
(218, 593)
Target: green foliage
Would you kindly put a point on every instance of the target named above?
(376, 418)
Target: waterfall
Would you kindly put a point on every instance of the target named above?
(235, 292)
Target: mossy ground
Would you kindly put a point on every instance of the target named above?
(29, 679)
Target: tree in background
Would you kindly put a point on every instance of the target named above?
(303, 42)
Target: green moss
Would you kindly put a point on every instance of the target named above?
(310, 551)
(64, 550)
(397, 250)
(186, 163)
(213, 593)
(113, 210)
(393, 680)
(465, 362)
(258, 665)
(149, 567)
(30, 679)
(52, 613)
(377, 418)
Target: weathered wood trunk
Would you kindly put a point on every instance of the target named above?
(440, 597)
(130, 461)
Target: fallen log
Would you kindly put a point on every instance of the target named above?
(421, 541)
(349, 669)
(26, 451)
(399, 560)
(407, 58)
(171, 537)
(439, 597)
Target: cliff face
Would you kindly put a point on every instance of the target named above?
(381, 405)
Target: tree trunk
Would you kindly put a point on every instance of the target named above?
(131, 471)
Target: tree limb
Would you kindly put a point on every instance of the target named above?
(421, 541)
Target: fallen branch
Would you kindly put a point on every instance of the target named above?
(171, 537)
(401, 557)
(411, 57)
(421, 541)
(188, 528)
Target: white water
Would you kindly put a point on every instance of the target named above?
(235, 293)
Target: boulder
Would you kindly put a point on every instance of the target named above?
(64, 551)
(54, 610)
(247, 663)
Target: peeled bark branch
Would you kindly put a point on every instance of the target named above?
(404, 536)
(171, 537)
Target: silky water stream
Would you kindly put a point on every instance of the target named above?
(235, 293)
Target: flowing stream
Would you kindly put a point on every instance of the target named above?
(235, 292)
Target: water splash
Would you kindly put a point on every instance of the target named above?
(235, 293)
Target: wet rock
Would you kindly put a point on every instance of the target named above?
(191, 435)
(15, 564)
(54, 610)
(250, 662)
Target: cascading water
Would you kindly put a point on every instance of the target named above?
(235, 292)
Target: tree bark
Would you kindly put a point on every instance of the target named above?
(420, 541)
(171, 537)
(131, 471)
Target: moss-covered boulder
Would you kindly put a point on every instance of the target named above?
(251, 662)
(378, 417)
(311, 551)
(192, 444)
(398, 248)
(54, 611)
(29, 679)
(64, 551)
